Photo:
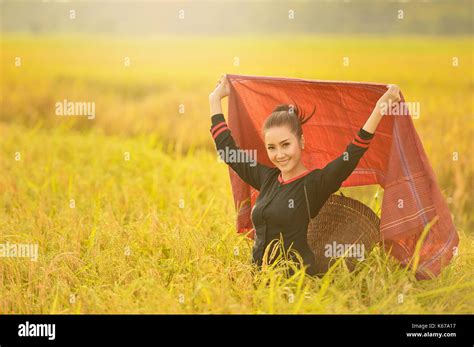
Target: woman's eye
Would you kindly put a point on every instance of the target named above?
(286, 144)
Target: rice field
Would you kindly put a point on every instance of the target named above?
(133, 213)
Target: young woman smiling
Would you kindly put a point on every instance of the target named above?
(289, 193)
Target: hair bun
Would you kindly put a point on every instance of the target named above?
(287, 114)
(288, 108)
(294, 109)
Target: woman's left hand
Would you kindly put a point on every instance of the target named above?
(391, 95)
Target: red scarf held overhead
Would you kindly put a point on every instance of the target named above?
(395, 159)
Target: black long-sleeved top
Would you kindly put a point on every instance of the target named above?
(281, 205)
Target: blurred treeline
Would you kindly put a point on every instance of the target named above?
(240, 17)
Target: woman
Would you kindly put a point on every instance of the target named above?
(289, 193)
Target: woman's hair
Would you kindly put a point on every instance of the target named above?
(290, 115)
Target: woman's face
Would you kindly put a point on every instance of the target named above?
(283, 148)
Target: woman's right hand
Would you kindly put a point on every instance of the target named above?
(222, 88)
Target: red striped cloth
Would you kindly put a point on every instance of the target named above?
(395, 159)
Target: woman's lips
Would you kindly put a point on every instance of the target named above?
(283, 162)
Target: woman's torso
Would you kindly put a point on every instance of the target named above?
(281, 208)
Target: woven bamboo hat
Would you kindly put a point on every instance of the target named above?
(342, 226)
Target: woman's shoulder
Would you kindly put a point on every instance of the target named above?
(314, 174)
(271, 170)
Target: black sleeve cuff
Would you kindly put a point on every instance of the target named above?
(365, 135)
(217, 118)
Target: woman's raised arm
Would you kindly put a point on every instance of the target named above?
(243, 162)
(332, 176)
(390, 96)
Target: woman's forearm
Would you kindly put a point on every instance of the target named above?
(215, 105)
(392, 95)
(374, 120)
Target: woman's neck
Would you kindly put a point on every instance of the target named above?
(298, 170)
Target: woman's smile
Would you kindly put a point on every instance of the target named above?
(283, 162)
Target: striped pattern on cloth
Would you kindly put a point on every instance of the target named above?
(395, 159)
